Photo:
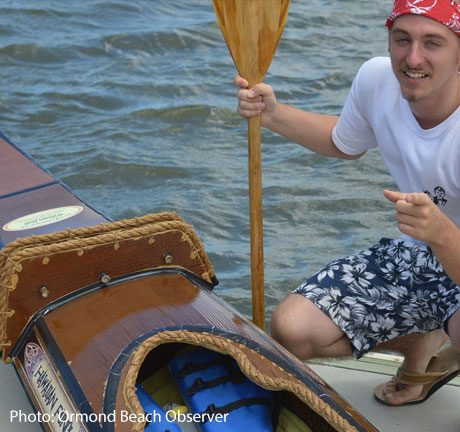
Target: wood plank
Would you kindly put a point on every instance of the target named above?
(45, 210)
(18, 172)
(370, 363)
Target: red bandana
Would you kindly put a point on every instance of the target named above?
(446, 12)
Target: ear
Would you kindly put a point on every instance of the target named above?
(389, 39)
(458, 55)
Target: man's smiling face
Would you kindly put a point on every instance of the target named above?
(425, 56)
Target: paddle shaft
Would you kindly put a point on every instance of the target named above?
(256, 222)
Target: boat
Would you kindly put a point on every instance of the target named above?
(91, 309)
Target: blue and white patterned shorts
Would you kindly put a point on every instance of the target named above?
(392, 289)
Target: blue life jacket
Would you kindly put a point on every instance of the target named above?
(225, 400)
(157, 414)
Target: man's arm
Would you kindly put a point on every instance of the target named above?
(313, 131)
(420, 218)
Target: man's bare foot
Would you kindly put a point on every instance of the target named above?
(399, 394)
(418, 350)
(442, 368)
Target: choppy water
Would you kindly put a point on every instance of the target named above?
(131, 104)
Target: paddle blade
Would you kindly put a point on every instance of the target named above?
(252, 30)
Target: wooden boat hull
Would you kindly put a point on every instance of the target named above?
(97, 342)
(88, 311)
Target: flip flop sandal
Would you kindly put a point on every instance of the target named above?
(442, 368)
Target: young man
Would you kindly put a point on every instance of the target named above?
(400, 294)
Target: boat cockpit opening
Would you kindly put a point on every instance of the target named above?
(183, 387)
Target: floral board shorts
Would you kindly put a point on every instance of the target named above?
(392, 289)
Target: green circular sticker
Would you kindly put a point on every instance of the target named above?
(42, 218)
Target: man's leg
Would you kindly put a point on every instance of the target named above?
(301, 327)
(453, 327)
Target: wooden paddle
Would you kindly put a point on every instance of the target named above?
(252, 30)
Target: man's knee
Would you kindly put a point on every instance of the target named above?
(305, 330)
(281, 326)
(288, 326)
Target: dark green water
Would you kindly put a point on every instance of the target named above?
(131, 104)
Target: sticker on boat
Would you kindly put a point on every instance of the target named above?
(42, 218)
(56, 409)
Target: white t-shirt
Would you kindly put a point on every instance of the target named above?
(376, 115)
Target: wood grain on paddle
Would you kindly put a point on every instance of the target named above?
(252, 30)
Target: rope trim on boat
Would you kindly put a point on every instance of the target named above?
(46, 245)
(280, 379)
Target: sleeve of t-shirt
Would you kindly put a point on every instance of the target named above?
(353, 133)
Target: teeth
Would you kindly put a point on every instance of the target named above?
(415, 75)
